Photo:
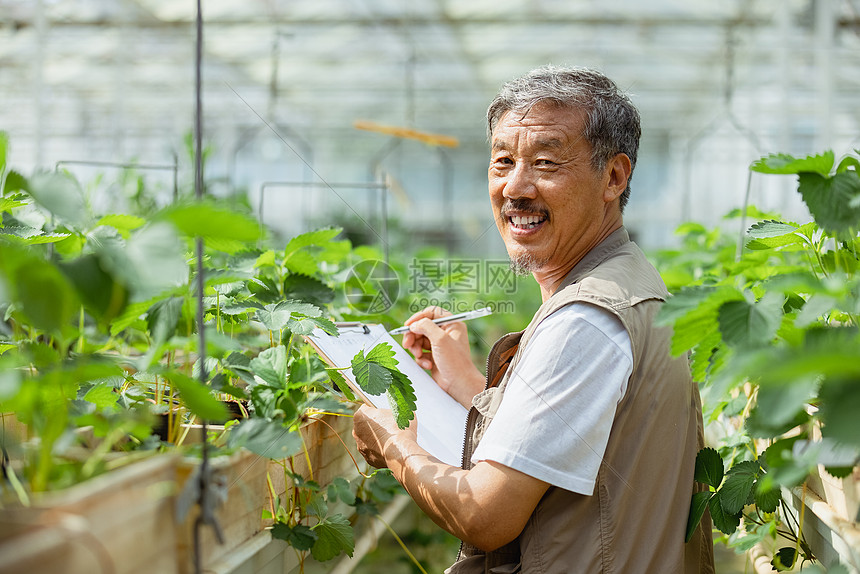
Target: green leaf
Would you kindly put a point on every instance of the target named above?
(338, 379)
(743, 324)
(198, 397)
(693, 313)
(307, 289)
(698, 504)
(15, 182)
(839, 471)
(373, 378)
(301, 325)
(738, 486)
(784, 559)
(239, 365)
(132, 313)
(125, 224)
(840, 405)
(725, 523)
(317, 505)
(383, 354)
(767, 499)
(152, 261)
(213, 222)
(702, 359)
(326, 325)
(770, 228)
(102, 396)
(848, 162)
(401, 398)
(779, 402)
(365, 507)
(162, 318)
(266, 438)
(817, 305)
(276, 316)
(10, 203)
(62, 196)
(786, 164)
(40, 239)
(46, 296)
(830, 199)
(709, 467)
(100, 293)
(335, 537)
(300, 537)
(316, 237)
(773, 234)
(302, 263)
(340, 489)
(384, 486)
(271, 366)
(752, 212)
(4, 146)
(265, 259)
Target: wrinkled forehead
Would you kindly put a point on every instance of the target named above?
(544, 125)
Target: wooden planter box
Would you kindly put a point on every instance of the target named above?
(242, 476)
(124, 522)
(120, 522)
(831, 537)
(331, 451)
(246, 540)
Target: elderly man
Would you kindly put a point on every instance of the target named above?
(581, 439)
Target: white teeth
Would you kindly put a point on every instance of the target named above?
(526, 222)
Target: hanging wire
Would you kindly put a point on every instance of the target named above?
(205, 500)
(725, 115)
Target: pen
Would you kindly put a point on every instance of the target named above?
(483, 312)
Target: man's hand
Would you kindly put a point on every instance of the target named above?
(444, 350)
(486, 506)
(373, 430)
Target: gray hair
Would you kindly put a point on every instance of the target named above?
(612, 121)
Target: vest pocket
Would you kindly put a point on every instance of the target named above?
(487, 402)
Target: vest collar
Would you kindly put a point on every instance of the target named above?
(595, 257)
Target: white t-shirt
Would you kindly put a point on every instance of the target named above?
(554, 420)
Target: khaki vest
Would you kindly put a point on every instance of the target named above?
(636, 518)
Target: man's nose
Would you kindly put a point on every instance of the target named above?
(520, 183)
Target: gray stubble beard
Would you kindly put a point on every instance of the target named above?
(524, 264)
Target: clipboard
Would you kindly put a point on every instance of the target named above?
(441, 419)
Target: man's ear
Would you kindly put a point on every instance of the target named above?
(618, 169)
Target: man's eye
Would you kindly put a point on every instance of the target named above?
(545, 162)
(503, 161)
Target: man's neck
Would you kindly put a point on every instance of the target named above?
(549, 280)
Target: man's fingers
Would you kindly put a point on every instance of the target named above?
(428, 313)
(428, 329)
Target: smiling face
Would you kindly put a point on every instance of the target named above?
(550, 205)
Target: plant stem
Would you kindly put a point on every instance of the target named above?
(81, 331)
(272, 496)
(402, 545)
(218, 312)
(800, 523)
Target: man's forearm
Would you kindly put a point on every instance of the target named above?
(487, 506)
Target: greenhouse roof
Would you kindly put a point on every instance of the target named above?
(114, 79)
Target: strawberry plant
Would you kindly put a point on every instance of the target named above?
(772, 332)
(99, 332)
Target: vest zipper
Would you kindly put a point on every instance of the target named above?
(470, 420)
(470, 417)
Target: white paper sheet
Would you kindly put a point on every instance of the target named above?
(441, 419)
